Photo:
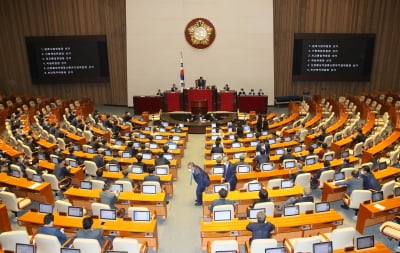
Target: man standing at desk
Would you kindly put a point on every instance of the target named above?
(200, 83)
(260, 229)
(229, 175)
(202, 179)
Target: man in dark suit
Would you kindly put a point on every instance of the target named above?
(201, 83)
(139, 162)
(202, 179)
(261, 158)
(161, 160)
(89, 232)
(151, 176)
(229, 175)
(263, 197)
(48, 229)
(61, 170)
(99, 160)
(221, 201)
(260, 229)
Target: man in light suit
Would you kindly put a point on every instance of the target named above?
(229, 175)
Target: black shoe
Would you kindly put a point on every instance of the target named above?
(344, 207)
(198, 204)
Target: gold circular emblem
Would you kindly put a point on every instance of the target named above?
(200, 33)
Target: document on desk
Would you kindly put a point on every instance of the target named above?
(380, 207)
(33, 186)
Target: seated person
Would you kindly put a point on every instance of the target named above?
(299, 171)
(315, 178)
(99, 176)
(370, 182)
(260, 229)
(159, 93)
(322, 136)
(242, 92)
(306, 197)
(200, 83)
(241, 161)
(261, 158)
(89, 232)
(161, 160)
(151, 176)
(49, 229)
(108, 197)
(360, 137)
(346, 164)
(260, 93)
(61, 171)
(252, 93)
(174, 88)
(323, 150)
(226, 87)
(287, 155)
(353, 183)
(139, 162)
(125, 173)
(222, 200)
(217, 148)
(263, 145)
(263, 197)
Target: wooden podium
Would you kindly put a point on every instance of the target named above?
(199, 106)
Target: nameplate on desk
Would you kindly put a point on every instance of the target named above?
(92, 200)
(125, 202)
(115, 233)
(159, 204)
(305, 227)
(234, 233)
(337, 222)
(33, 186)
(148, 234)
(380, 207)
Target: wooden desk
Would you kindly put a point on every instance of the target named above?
(245, 199)
(76, 174)
(47, 145)
(379, 248)
(303, 225)
(142, 231)
(155, 202)
(102, 133)
(9, 150)
(369, 215)
(369, 154)
(73, 137)
(334, 163)
(4, 220)
(23, 187)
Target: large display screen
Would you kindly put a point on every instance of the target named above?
(333, 57)
(68, 59)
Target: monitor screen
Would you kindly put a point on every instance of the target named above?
(298, 149)
(214, 137)
(169, 157)
(254, 211)
(236, 145)
(287, 139)
(322, 247)
(76, 147)
(42, 156)
(161, 170)
(15, 173)
(222, 215)
(158, 137)
(231, 137)
(69, 250)
(147, 128)
(314, 145)
(275, 250)
(107, 152)
(116, 187)
(79, 133)
(149, 189)
(290, 164)
(291, 211)
(311, 161)
(243, 169)
(382, 165)
(75, 211)
(136, 169)
(126, 134)
(54, 159)
(253, 143)
(142, 136)
(113, 167)
(238, 155)
(267, 166)
(165, 124)
(377, 196)
(249, 135)
(214, 130)
(153, 145)
(339, 176)
(345, 154)
(218, 187)
(141, 215)
(108, 214)
(264, 133)
(246, 128)
(214, 156)
(322, 207)
(126, 155)
(365, 242)
(73, 163)
(218, 170)
(24, 248)
(328, 157)
(37, 178)
(136, 144)
(162, 130)
(45, 208)
(279, 151)
(286, 184)
(90, 150)
(147, 156)
(271, 141)
(86, 185)
(176, 138)
(172, 146)
(254, 187)
(396, 191)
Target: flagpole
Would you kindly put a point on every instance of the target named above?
(182, 74)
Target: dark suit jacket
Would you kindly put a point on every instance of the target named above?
(96, 233)
(230, 176)
(152, 178)
(47, 230)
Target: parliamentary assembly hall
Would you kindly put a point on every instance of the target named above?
(186, 126)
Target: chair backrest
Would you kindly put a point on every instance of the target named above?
(90, 168)
(342, 237)
(268, 206)
(52, 180)
(61, 143)
(326, 175)
(85, 147)
(97, 206)
(359, 196)
(45, 242)
(276, 182)
(129, 245)
(157, 184)
(303, 180)
(27, 150)
(10, 200)
(289, 161)
(88, 135)
(97, 184)
(224, 245)
(259, 245)
(227, 207)
(305, 206)
(87, 245)
(328, 140)
(30, 172)
(62, 206)
(305, 244)
(17, 168)
(369, 164)
(126, 186)
(347, 171)
(328, 155)
(10, 238)
(387, 188)
(136, 208)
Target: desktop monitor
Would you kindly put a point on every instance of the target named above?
(37, 178)
(147, 128)
(279, 151)
(218, 187)
(214, 130)
(339, 137)
(119, 142)
(161, 170)
(312, 131)
(108, 214)
(90, 150)
(314, 145)
(113, 167)
(396, 191)
(253, 143)
(298, 149)
(136, 144)
(218, 170)
(147, 156)
(158, 137)
(246, 128)
(271, 141)
(75, 211)
(329, 157)
(15, 173)
(290, 164)
(345, 154)
(258, 153)
(172, 146)
(214, 137)
(153, 145)
(323, 247)
(286, 184)
(382, 165)
(264, 133)
(142, 136)
(76, 147)
(249, 135)
(136, 169)
(287, 139)
(165, 124)
(54, 159)
(222, 215)
(141, 215)
(322, 207)
(169, 157)
(107, 152)
(181, 125)
(149, 189)
(231, 137)
(254, 187)
(79, 133)
(73, 163)
(236, 145)
(213, 125)
(126, 134)
(42, 156)
(365, 242)
(116, 187)
(126, 154)
(162, 130)
(291, 211)
(24, 248)
(176, 138)
(214, 156)
(377, 196)
(254, 211)
(70, 250)
(45, 208)
(238, 155)
(339, 176)
(311, 160)
(267, 166)
(243, 169)
(275, 250)
(86, 185)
